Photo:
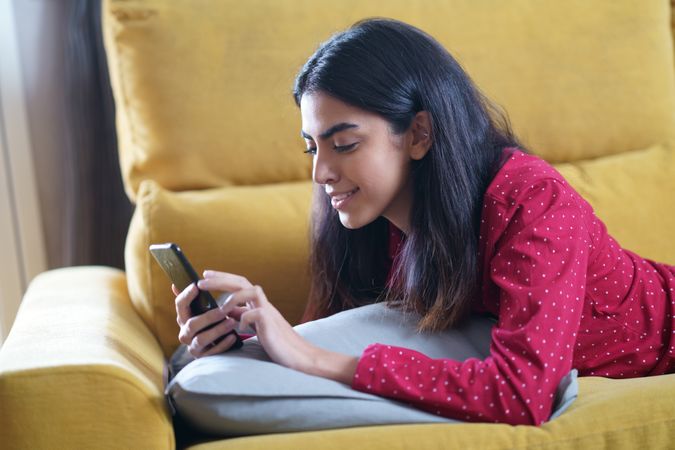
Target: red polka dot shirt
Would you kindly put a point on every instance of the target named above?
(566, 295)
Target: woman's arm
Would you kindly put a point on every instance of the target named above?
(540, 269)
(332, 365)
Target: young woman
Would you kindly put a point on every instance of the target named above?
(427, 201)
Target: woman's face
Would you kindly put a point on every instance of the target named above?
(358, 160)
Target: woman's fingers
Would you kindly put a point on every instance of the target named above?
(194, 325)
(246, 303)
(236, 312)
(223, 345)
(249, 319)
(253, 297)
(223, 281)
(183, 300)
(203, 340)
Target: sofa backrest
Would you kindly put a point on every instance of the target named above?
(209, 140)
(203, 87)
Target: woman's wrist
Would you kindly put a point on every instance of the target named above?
(332, 365)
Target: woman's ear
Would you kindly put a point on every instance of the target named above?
(420, 130)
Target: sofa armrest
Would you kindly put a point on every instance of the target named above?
(80, 369)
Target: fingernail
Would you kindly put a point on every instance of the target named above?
(200, 283)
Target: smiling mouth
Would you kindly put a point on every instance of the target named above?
(339, 201)
(344, 196)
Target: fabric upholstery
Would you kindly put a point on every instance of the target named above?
(578, 79)
(79, 369)
(633, 194)
(259, 232)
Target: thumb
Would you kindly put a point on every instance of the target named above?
(249, 319)
(236, 313)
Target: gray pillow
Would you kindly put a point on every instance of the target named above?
(242, 392)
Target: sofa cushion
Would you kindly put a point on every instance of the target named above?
(242, 392)
(206, 86)
(258, 232)
(633, 195)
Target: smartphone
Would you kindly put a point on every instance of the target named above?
(181, 273)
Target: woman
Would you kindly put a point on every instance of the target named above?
(427, 201)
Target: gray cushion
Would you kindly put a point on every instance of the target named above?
(242, 392)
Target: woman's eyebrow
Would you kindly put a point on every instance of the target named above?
(331, 131)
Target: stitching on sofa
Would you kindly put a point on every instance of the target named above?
(143, 366)
(149, 198)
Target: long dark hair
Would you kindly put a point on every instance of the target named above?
(396, 70)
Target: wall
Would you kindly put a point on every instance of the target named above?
(21, 228)
(41, 30)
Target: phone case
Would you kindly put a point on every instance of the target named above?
(181, 273)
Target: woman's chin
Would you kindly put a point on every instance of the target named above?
(352, 222)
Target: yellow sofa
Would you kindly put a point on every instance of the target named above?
(210, 153)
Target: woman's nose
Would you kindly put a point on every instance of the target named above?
(324, 170)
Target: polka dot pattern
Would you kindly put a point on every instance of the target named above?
(566, 296)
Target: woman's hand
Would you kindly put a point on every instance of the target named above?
(250, 307)
(192, 333)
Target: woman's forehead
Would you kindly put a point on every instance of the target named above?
(321, 113)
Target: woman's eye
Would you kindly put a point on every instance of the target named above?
(338, 148)
(344, 148)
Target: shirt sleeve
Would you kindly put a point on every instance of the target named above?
(539, 267)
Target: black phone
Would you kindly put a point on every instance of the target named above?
(181, 273)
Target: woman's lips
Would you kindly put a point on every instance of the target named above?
(340, 201)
